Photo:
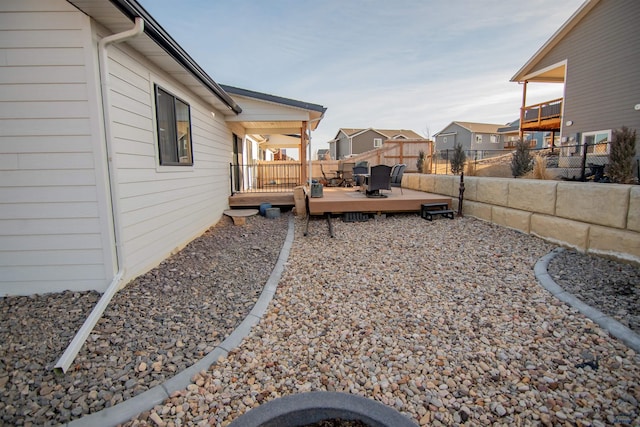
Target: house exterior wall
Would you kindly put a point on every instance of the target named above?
(603, 56)
(55, 223)
(343, 147)
(454, 134)
(364, 141)
(53, 226)
(486, 143)
(162, 208)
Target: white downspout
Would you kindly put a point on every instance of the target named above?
(309, 159)
(81, 336)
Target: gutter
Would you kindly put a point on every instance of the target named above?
(133, 10)
(81, 336)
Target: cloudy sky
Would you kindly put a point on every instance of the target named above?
(406, 64)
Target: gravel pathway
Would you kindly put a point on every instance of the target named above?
(441, 320)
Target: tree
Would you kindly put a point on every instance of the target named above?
(420, 162)
(458, 159)
(521, 162)
(622, 150)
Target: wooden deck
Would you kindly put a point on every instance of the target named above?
(254, 200)
(341, 200)
(337, 200)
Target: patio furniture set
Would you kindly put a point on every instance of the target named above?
(368, 179)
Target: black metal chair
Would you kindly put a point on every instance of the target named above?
(358, 172)
(379, 179)
(396, 175)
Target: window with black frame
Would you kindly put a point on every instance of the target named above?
(173, 117)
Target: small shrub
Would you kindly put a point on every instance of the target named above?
(540, 167)
(458, 159)
(521, 162)
(470, 168)
(621, 153)
(420, 162)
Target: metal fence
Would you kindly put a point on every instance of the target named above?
(571, 162)
(266, 177)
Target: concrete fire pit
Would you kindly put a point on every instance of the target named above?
(309, 408)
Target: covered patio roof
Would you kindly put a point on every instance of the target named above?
(265, 114)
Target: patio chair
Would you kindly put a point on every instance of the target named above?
(346, 173)
(396, 175)
(329, 181)
(358, 172)
(379, 179)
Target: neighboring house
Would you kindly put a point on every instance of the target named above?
(115, 145)
(472, 136)
(349, 142)
(596, 56)
(323, 154)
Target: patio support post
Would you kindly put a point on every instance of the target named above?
(524, 104)
(304, 141)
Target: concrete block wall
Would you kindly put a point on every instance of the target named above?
(602, 219)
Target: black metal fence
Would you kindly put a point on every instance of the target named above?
(266, 177)
(571, 162)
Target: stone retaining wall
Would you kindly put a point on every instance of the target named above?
(595, 218)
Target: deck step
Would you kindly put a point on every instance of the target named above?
(429, 210)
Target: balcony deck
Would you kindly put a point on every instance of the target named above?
(545, 116)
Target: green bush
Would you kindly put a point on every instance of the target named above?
(621, 153)
(420, 162)
(458, 159)
(521, 162)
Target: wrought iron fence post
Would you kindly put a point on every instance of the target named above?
(461, 194)
(584, 162)
(446, 167)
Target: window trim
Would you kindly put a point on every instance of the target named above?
(377, 142)
(594, 134)
(175, 141)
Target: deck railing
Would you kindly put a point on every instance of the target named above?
(260, 177)
(537, 114)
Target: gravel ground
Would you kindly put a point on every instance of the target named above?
(442, 320)
(157, 326)
(610, 286)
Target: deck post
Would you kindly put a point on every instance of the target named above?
(524, 104)
(304, 141)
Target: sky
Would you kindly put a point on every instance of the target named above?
(406, 64)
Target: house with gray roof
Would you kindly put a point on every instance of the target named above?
(351, 141)
(471, 136)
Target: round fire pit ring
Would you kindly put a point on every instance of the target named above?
(309, 408)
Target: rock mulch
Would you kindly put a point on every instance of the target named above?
(158, 325)
(443, 321)
(612, 287)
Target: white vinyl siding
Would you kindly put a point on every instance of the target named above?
(162, 208)
(55, 230)
(51, 229)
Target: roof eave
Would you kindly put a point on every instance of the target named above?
(153, 30)
(554, 40)
(273, 98)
